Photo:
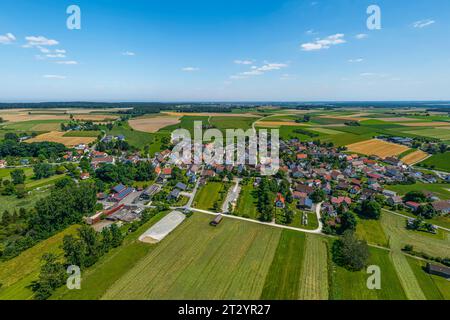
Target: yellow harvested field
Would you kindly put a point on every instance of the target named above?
(56, 136)
(426, 124)
(415, 157)
(153, 124)
(377, 147)
(211, 114)
(276, 124)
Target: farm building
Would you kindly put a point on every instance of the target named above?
(217, 220)
(120, 192)
(438, 270)
(163, 227)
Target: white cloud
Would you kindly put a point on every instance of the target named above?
(325, 43)
(246, 62)
(423, 23)
(356, 60)
(257, 71)
(54, 76)
(60, 51)
(7, 38)
(39, 41)
(361, 36)
(57, 55)
(190, 69)
(287, 76)
(311, 32)
(69, 62)
(128, 53)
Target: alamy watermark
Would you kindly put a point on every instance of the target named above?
(73, 22)
(250, 147)
(374, 280)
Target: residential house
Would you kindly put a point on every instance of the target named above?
(3, 164)
(412, 205)
(181, 186)
(443, 207)
(394, 201)
(280, 202)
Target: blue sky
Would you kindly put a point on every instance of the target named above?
(233, 50)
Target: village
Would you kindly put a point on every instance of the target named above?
(344, 181)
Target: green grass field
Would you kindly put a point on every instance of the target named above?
(208, 195)
(283, 279)
(395, 229)
(11, 203)
(82, 134)
(197, 261)
(440, 161)
(16, 274)
(246, 206)
(186, 122)
(372, 232)
(135, 138)
(348, 285)
(224, 123)
(34, 125)
(439, 189)
(437, 133)
(430, 285)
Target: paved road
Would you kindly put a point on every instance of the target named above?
(232, 195)
(271, 224)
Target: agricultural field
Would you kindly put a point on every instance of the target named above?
(135, 138)
(23, 115)
(372, 232)
(153, 124)
(16, 274)
(93, 134)
(437, 133)
(34, 125)
(414, 157)
(197, 261)
(59, 137)
(377, 147)
(348, 285)
(209, 194)
(223, 123)
(186, 122)
(440, 161)
(433, 287)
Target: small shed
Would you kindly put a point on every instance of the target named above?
(217, 220)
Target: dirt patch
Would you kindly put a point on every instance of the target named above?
(153, 124)
(55, 136)
(378, 148)
(415, 157)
